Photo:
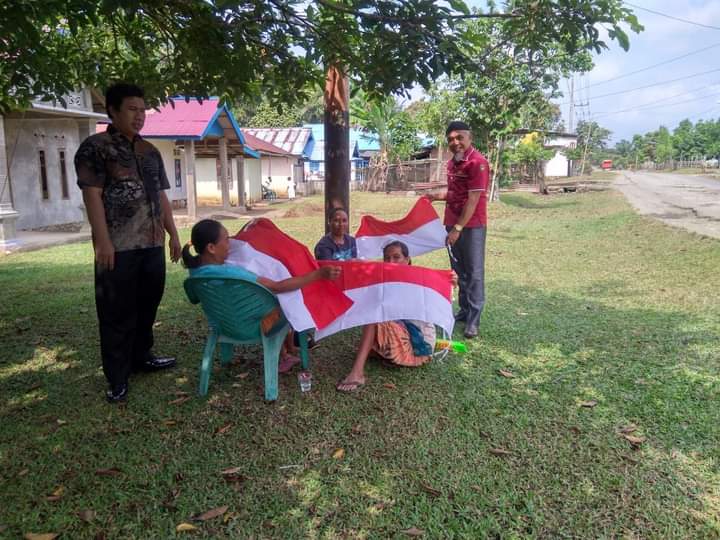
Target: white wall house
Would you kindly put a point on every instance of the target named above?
(559, 164)
(283, 153)
(38, 186)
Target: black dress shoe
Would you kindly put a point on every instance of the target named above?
(156, 363)
(471, 333)
(116, 394)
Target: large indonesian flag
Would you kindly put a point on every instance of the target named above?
(421, 230)
(265, 250)
(390, 292)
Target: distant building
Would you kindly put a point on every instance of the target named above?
(363, 145)
(284, 159)
(559, 165)
(37, 177)
(210, 129)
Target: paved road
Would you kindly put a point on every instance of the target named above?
(690, 202)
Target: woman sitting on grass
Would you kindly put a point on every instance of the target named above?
(407, 343)
(212, 245)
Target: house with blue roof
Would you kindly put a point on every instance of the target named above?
(363, 145)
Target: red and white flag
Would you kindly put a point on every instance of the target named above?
(390, 292)
(265, 250)
(421, 230)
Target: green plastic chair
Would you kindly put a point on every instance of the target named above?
(234, 308)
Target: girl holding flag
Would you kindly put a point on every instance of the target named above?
(407, 343)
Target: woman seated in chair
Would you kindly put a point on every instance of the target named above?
(407, 343)
(212, 245)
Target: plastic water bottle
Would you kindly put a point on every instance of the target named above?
(305, 379)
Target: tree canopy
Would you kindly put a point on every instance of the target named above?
(687, 141)
(277, 48)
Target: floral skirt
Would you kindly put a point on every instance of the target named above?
(392, 342)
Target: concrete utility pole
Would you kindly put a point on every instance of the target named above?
(190, 185)
(571, 112)
(337, 142)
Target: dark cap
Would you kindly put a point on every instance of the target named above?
(456, 125)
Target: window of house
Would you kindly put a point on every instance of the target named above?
(218, 168)
(178, 174)
(63, 176)
(43, 175)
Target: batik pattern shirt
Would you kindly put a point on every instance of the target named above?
(131, 175)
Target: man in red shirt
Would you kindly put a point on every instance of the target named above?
(466, 222)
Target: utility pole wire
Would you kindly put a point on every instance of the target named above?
(673, 17)
(655, 65)
(700, 74)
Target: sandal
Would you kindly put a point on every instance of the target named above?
(351, 386)
(287, 363)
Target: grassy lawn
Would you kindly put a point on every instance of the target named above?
(607, 323)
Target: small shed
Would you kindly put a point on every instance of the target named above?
(205, 153)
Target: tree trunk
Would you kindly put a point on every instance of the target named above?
(337, 142)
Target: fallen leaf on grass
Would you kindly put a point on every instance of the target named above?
(630, 428)
(339, 453)
(113, 471)
(23, 473)
(169, 423)
(499, 452)
(87, 515)
(413, 531)
(390, 386)
(635, 441)
(223, 429)
(506, 373)
(40, 536)
(179, 400)
(588, 404)
(210, 514)
(430, 490)
(185, 527)
(61, 422)
(242, 375)
(230, 515)
(231, 471)
(56, 495)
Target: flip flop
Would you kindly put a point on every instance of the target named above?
(354, 386)
(287, 363)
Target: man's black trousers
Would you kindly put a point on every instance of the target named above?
(127, 299)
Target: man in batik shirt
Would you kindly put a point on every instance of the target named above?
(123, 179)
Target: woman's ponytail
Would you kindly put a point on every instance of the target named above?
(204, 232)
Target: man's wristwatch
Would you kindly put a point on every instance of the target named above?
(458, 227)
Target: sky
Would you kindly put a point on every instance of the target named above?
(669, 101)
(685, 88)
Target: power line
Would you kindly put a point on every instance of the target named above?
(646, 108)
(673, 17)
(655, 65)
(692, 91)
(707, 72)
